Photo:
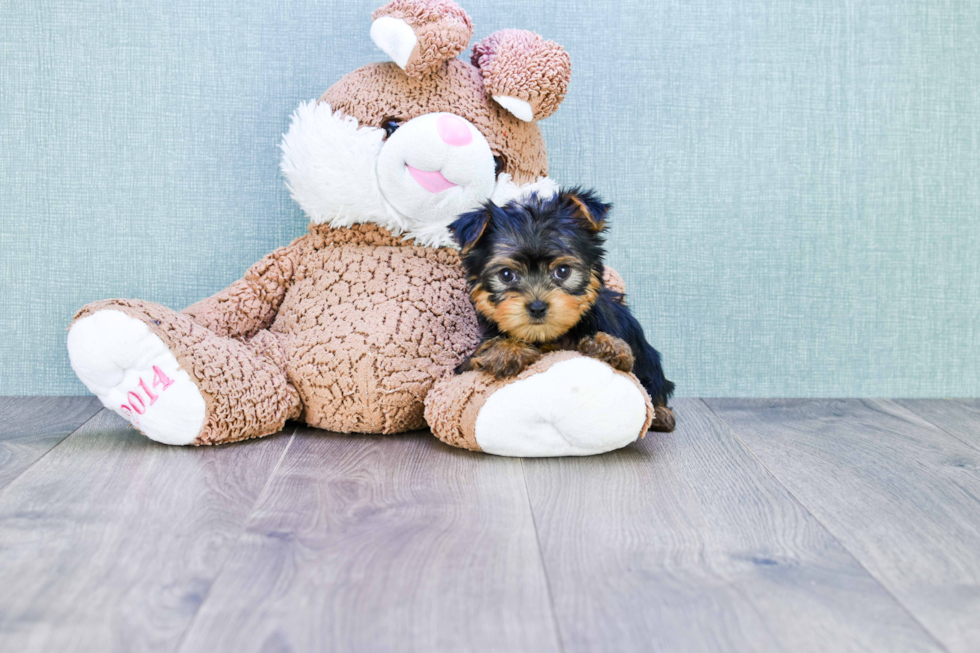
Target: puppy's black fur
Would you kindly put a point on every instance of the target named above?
(535, 274)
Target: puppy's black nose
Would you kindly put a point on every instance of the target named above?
(537, 309)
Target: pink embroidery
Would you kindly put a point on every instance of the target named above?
(153, 397)
(160, 380)
(133, 398)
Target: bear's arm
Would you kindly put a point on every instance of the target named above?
(251, 303)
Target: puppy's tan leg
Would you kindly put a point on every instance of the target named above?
(608, 349)
(504, 357)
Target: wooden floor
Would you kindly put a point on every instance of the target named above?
(759, 525)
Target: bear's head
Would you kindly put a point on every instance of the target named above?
(412, 144)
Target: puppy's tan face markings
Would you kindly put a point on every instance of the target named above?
(508, 287)
(566, 310)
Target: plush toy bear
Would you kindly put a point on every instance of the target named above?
(357, 326)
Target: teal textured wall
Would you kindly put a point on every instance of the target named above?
(797, 183)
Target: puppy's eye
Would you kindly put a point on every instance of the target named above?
(507, 275)
(390, 126)
(498, 165)
(561, 272)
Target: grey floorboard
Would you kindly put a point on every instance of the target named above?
(31, 426)
(899, 493)
(110, 542)
(372, 543)
(684, 542)
(958, 417)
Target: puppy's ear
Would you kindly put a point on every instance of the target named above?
(469, 227)
(588, 206)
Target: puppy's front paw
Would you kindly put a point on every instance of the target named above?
(608, 349)
(504, 357)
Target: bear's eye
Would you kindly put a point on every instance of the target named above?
(390, 126)
(498, 165)
(561, 272)
(507, 275)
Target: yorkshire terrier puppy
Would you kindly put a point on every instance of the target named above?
(535, 273)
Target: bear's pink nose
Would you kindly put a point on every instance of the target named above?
(453, 130)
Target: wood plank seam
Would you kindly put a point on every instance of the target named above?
(920, 415)
(544, 568)
(829, 531)
(45, 454)
(231, 548)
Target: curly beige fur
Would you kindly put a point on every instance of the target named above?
(521, 64)
(442, 28)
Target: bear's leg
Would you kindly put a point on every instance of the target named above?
(176, 381)
(563, 405)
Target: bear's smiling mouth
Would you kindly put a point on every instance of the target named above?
(433, 181)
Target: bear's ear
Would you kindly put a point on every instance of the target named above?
(420, 34)
(587, 206)
(469, 227)
(525, 74)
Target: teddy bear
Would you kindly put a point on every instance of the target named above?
(357, 326)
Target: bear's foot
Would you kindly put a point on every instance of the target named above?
(577, 407)
(136, 375)
(563, 405)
